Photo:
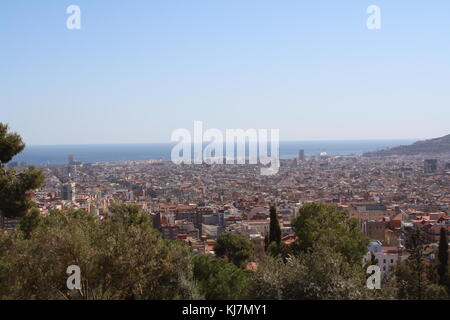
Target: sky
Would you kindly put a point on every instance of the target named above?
(138, 70)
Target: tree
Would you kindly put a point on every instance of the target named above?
(372, 262)
(331, 227)
(275, 231)
(411, 284)
(236, 248)
(443, 258)
(130, 215)
(373, 259)
(320, 274)
(30, 222)
(281, 250)
(118, 260)
(15, 200)
(10, 144)
(218, 279)
(412, 277)
(417, 263)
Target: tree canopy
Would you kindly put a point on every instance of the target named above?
(30, 222)
(320, 274)
(10, 144)
(415, 278)
(117, 260)
(15, 200)
(218, 279)
(331, 227)
(236, 248)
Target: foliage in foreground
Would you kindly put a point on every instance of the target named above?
(219, 279)
(321, 274)
(123, 257)
(416, 278)
(118, 260)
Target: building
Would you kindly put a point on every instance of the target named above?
(258, 245)
(249, 227)
(170, 232)
(211, 231)
(156, 220)
(301, 155)
(430, 166)
(68, 191)
(386, 257)
(374, 229)
(130, 195)
(369, 211)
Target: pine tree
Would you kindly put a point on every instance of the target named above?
(10, 144)
(275, 231)
(331, 227)
(30, 222)
(14, 198)
(235, 248)
(443, 257)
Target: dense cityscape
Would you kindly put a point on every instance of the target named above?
(194, 204)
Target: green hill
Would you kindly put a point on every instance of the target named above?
(432, 146)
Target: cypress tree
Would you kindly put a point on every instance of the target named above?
(373, 259)
(443, 257)
(275, 231)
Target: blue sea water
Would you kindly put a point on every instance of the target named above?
(58, 154)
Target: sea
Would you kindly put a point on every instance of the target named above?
(58, 154)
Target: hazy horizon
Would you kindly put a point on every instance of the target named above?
(172, 142)
(58, 154)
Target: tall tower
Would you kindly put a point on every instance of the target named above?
(68, 191)
(430, 166)
(301, 155)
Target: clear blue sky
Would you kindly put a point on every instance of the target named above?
(139, 69)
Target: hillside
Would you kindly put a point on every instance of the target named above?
(432, 146)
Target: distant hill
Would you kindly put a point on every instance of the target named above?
(432, 146)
